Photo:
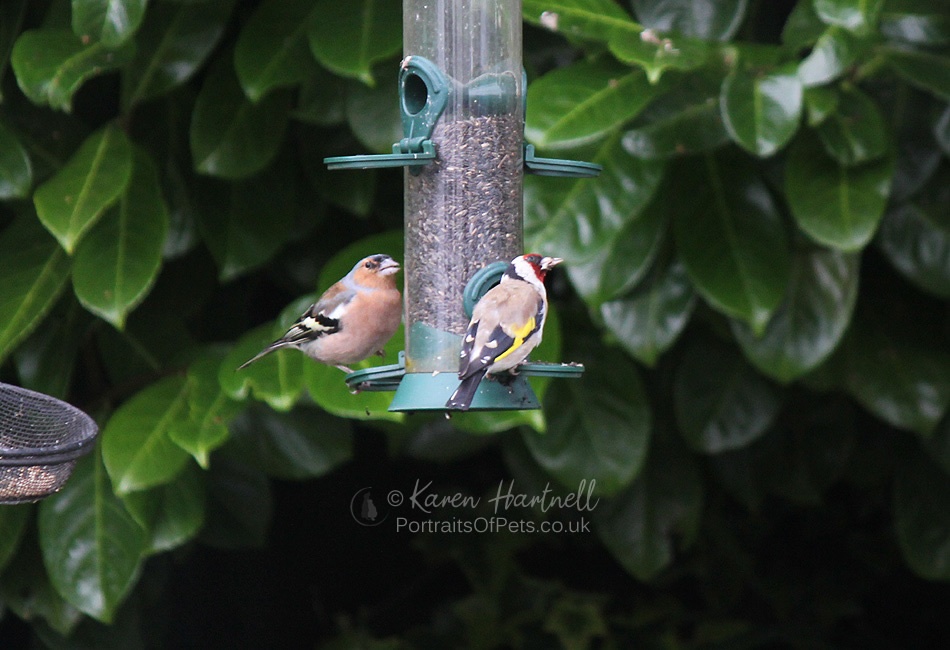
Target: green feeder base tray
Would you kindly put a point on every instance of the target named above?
(420, 391)
(423, 391)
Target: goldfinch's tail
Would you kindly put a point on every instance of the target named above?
(462, 397)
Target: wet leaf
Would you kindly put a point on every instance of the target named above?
(835, 205)
(721, 403)
(762, 111)
(731, 239)
(92, 548)
(811, 320)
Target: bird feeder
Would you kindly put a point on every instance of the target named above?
(461, 99)
(41, 438)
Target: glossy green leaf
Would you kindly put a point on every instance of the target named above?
(172, 44)
(922, 517)
(649, 320)
(16, 170)
(136, 446)
(799, 459)
(685, 121)
(942, 131)
(622, 263)
(12, 15)
(230, 136)
(811, 320)
(895, 373)
(352, 190)
(731, 239)
(855, 132)
(657, 53)
(92, 548)
(277, 378)
(598, 427)
(916, 240)
(35, 270)
(803, 27)
(584, 102)
(245, 223)
(913, 140)
(321, 99)
(596, 20)
(172, 513)
(373, 113)
(820, 104)
(110, 22)
(304, 443)
(13, 521)
(835, 205)
(209, 410)
(721, 403)
(375, 25)
(921, 22)
(578, 218)
(645, 524)
(51, 64)
(47, 359)
(858, 16)
(762, 111)
(73, 200)
(927, 71)
(708, 19)
(272, 49)
(937, 445)
(831, 56)
(117, 263)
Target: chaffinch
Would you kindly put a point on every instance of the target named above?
(506, 326)
(352, 320)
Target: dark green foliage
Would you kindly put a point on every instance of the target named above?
(758, 283)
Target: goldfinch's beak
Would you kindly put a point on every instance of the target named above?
(548, 263)
(389, 267)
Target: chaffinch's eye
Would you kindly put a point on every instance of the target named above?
(369, 265)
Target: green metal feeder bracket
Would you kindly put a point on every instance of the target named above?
(429, 391)
(423, 94)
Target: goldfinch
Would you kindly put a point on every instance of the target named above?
(506, 325)
(352, 320)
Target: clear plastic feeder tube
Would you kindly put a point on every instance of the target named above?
(464, 210)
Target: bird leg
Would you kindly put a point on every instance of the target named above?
(344, 368)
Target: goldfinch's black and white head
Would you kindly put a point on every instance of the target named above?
(531, 268)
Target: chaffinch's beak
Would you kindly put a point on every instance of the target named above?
(389, 267)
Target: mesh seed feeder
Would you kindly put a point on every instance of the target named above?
(461, 98)
(41, 438)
